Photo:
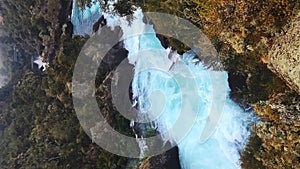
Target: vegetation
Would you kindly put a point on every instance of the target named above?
(39, 127)
(122, 8)
(275, 143)
(242, 32)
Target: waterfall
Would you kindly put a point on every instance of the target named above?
(222, 149)
(83, 19)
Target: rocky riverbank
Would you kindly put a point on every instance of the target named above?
(167, 160)
(41, 129)
(246, 36)
(284, 55)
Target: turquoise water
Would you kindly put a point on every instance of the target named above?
(159, 93)
(84, 19)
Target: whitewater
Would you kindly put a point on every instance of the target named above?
(151, 88)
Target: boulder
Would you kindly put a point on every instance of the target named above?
(284, 56)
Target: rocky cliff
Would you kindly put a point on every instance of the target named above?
(284, 56)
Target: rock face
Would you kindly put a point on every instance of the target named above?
(167, 160)
(284, 56)
(278, 133)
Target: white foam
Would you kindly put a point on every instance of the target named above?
(84, 19)
(221, 150)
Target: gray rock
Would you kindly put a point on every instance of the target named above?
(284, 56)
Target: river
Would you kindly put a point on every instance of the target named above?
(223, 148)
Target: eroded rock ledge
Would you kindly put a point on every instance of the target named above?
(284, 56)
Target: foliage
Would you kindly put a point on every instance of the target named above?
(122, 7)
(242, 32)
(41, 129)
(275, 143)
